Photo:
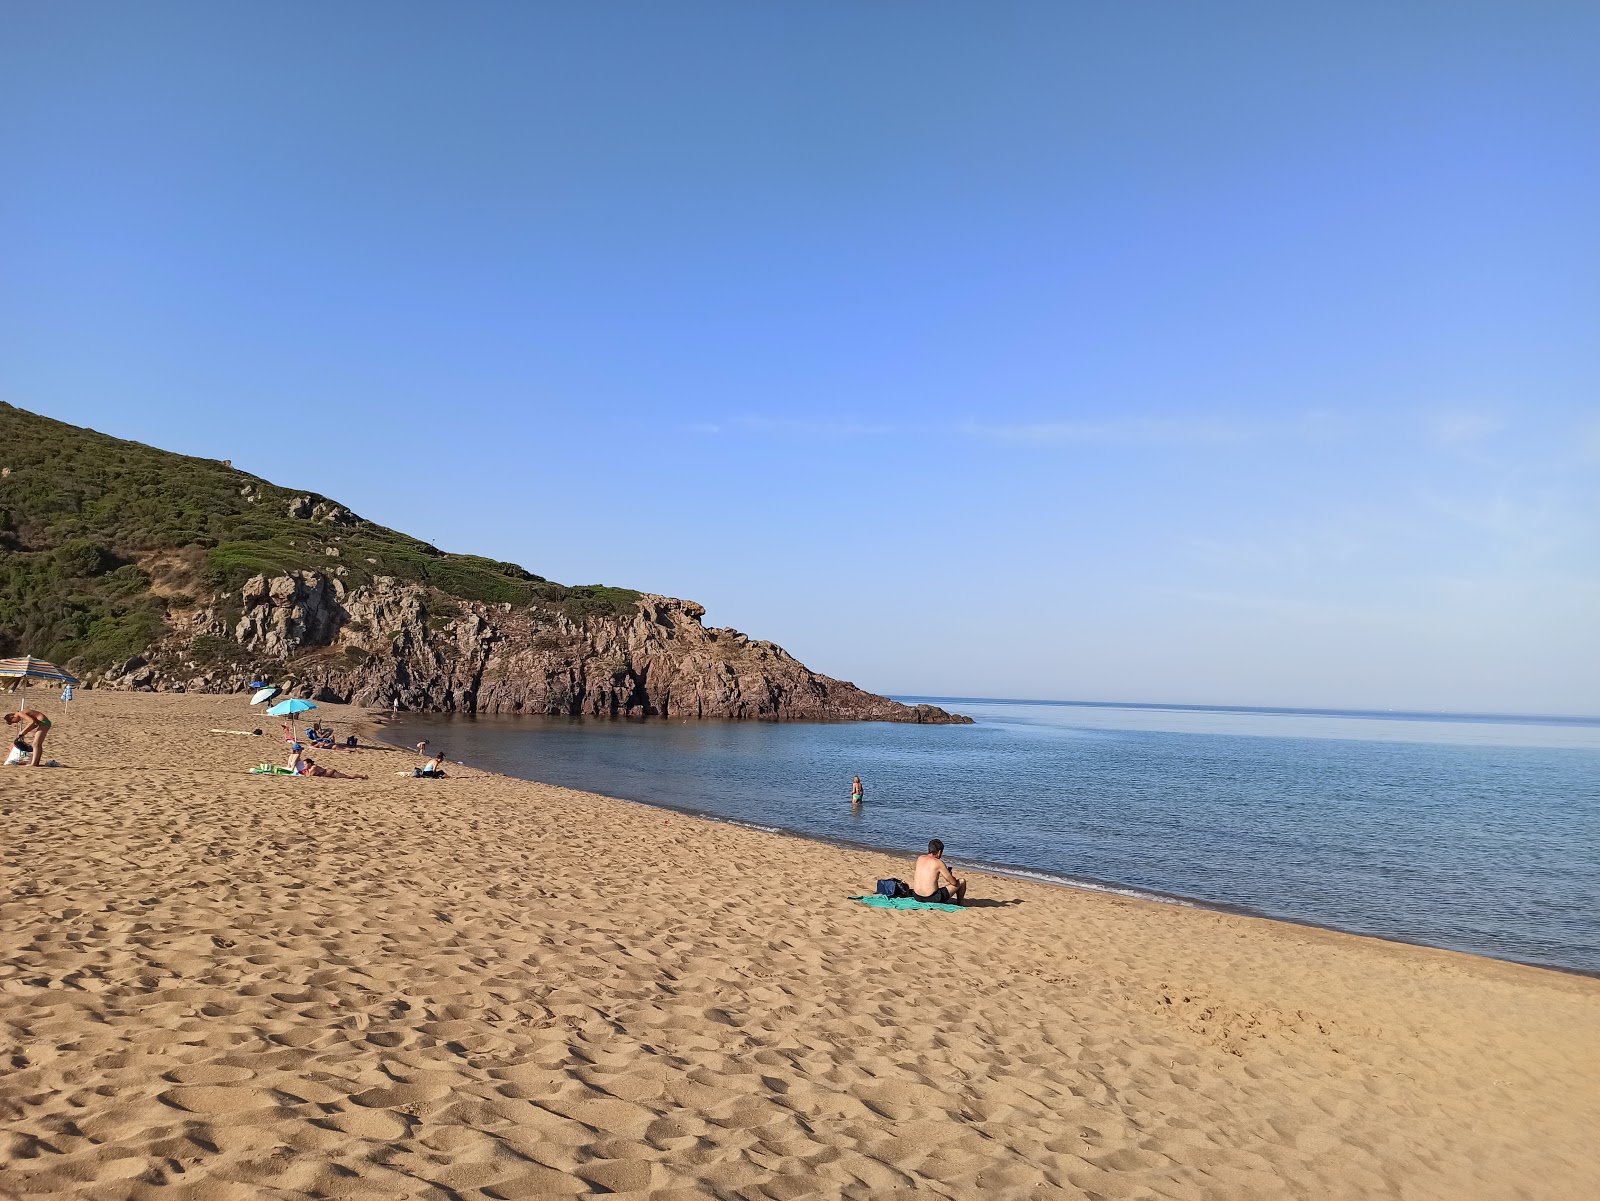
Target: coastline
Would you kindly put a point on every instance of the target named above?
(486, 987)
(380, 721)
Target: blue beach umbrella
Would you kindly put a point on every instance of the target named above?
(289, 707)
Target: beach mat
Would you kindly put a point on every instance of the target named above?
(878, 902)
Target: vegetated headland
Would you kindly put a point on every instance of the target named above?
(150, 570)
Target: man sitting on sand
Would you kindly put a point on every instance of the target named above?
(327, 773)
(932, 882)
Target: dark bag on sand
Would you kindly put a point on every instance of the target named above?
(893, 889)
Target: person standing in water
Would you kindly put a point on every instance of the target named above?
(856, 791)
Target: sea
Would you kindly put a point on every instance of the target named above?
(1477, 833)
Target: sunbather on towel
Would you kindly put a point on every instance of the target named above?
(932, 882)
(328, 773)
(433, 769)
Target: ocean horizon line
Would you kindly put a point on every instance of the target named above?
(1579, 719)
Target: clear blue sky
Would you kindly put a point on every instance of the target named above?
(1157, 352)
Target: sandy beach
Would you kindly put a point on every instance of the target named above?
(221, 986)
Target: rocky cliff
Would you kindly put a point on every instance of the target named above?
(393, 641)
(145, 569)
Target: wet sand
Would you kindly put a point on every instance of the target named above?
(223, 986)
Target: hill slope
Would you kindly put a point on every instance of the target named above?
(149, 569)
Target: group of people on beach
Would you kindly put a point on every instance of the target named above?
(301, 765)
(433, 769)
(932, 881)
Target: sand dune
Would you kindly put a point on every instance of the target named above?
(222, 986)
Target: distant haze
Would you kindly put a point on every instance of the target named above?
(1217, 354)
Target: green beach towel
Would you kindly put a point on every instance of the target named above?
(878, 902)
(270, 769)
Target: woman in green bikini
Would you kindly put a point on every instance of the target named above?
(856, 791)
(35, 723)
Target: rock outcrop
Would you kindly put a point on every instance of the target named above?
(133, 566)
(394, 641)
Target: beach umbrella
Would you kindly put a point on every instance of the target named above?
(29, 668)
(290, 707)
(266, 693)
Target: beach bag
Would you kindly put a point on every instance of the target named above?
(893, 889)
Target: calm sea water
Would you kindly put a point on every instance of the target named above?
(1478, 834)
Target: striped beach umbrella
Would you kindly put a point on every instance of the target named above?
(29, 668)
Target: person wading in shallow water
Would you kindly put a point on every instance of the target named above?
(35, 723)
(932, 882)
(856, 791)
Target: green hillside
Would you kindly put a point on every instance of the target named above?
(99, 537)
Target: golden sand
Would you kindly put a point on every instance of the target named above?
(223, 986)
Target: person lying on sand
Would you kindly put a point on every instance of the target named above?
(932, 882)
(328, 773)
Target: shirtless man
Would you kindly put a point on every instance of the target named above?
(35, 723)
(932, 882)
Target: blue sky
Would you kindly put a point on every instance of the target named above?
(1156, 352)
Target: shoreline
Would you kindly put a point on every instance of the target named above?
(229, 986)
(1024, 872)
